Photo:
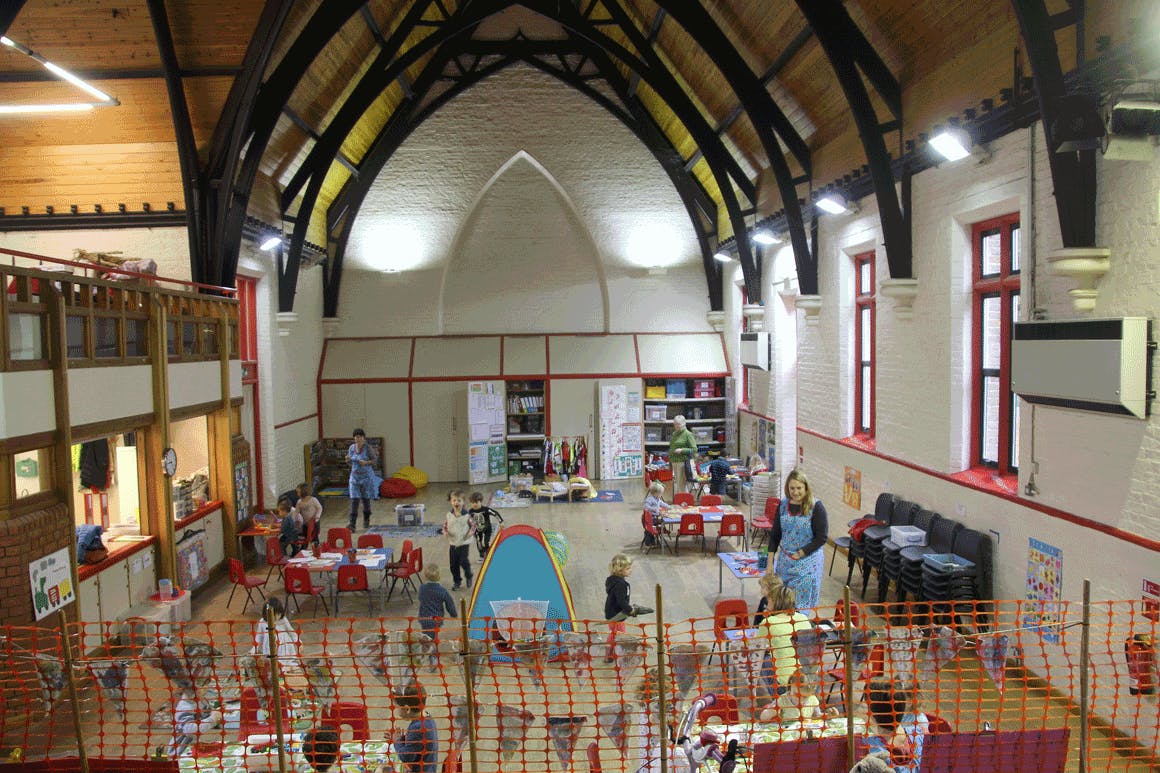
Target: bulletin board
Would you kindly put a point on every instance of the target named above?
(243, 487)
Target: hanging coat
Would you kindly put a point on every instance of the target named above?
(95, 464)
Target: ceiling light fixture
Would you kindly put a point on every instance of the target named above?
(765, 236)
(834, 203)
(724, 257)
(270, 243)
(104, 100)
(953, 143)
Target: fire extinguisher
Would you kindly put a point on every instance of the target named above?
(1141, 656)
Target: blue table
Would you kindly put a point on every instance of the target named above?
(743, 565)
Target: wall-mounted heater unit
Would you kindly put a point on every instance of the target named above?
(755, 350)
(1092, 364)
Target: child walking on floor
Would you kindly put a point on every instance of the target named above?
(291, 529)
(433, 601)
(482, 515)
(459, 528)
(617, 605)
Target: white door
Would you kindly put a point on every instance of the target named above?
(439, 432)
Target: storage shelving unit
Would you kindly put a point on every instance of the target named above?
(526, 416)
(705, 415)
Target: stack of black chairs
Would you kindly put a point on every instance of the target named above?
(856, 548)
(901, 514)
(962, 581)
(942, 540)
(892, 555)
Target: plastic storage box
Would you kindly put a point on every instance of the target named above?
(409, 515)
(654, 393)
(675, 387)
(948, 562)
(907, 536)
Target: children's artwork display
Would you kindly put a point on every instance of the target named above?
(852, 488)
(1044, 585)
(621, 433)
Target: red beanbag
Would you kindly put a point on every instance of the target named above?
(397, 487)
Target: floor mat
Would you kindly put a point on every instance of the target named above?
(331, 491)
(607, 495)
(405, 532)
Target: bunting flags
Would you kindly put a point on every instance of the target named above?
(514, 724)
(395, 656)
(942, 647)
(992, 651)
(613, 720)
(50, 671)
(111, 677)
(688, 660)
(321, 678)
(564, 733)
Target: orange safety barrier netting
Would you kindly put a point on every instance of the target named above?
(934, 685)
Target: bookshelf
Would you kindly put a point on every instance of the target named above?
(701, 400)
(526, 412)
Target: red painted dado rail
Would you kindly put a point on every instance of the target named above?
(547, 690)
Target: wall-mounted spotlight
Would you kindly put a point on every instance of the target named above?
(270, 243)
(724, 257)
(835, 204)
(765, 236)
(952, 143)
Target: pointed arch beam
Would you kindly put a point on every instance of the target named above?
(225, 145)
(1073, 174)
(537, 54)
(183, 132)
(835, 31)
(767, 119)
(267, 106)
(658, 77)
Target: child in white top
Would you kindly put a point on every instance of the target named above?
(459, 528)
(284, 634)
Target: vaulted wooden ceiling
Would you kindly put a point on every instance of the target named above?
(295, 105)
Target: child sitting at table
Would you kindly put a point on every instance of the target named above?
(291, 529)
(418, 745)
(655, 506)
(778, 628)
(190, 722)
(719, 471)
(798, 704)
(891, 707)
(285, 637)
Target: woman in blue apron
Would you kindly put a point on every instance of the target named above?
(797, 538)
(364, 482)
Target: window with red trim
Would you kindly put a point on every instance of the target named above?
(864, 325)
(995, 291)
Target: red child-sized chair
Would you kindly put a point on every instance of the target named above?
(724, 710)
(728, 615)
(683, 499)
(240, 579)
(353, 715)
(658, 534)
(275, 558)
(711, 500)
(339, 539)
(732, 525)
(692, 525)
(370, 541)
(352, 578)
(298, 580)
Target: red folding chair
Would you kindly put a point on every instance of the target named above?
(352, 578)
(298, 580)
(692, 525)
(240, 579)
(732, 525)
(275, 557)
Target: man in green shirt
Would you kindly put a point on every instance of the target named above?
(682, 448)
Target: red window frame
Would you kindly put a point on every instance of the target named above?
(864, 369)
(248, 353)
(1003, 285)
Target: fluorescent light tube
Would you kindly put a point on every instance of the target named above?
(952, 144)
(765, 236)
(69, 107)
(723, 257)
(60, 72)
(270, 243)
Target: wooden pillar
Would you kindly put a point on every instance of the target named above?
(159, 487)
(57, 346)
(221, 462)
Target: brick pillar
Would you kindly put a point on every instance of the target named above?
(26, 538)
